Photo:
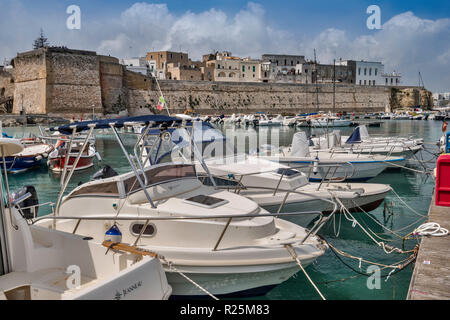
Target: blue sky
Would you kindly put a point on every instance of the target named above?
(415, 34)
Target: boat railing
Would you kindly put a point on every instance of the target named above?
(311, 232)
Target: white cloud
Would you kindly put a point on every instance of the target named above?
(407, 43)
(153, 26)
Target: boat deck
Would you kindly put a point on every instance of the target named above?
(431, 276)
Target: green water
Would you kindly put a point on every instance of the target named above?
(335, 280)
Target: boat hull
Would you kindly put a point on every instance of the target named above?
(21, 164)
(249, 281)
(57, 164)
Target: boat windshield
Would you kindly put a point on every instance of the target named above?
(160, 174)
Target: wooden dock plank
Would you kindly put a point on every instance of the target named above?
(432, 281)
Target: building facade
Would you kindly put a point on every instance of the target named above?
(158, 61)
(139, 65)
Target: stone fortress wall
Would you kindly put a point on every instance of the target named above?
(65, 82)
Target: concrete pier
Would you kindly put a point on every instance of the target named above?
(431, 276)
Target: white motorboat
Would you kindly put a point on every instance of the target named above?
(290, 121)
(402, 116)
(330, 165)
(361, 143)
(277, 187)
(38, 262)
(221, 240)
(330, 122)
(265, 121)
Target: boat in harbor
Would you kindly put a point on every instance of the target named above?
(275, 186)
(360, 142)
(223, 241)
(265, 121)
(38, 262)
(329, 165)
(33, 155)
(67, 151)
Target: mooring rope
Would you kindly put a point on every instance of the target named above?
(414, 211)
(295, 257)
(380, 224)
(430, 229)
(397, 267)
(386, 248)
(172, 268)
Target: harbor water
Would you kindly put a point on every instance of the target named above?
(336, 279)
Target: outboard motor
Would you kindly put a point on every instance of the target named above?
(30, 204)
(105, 172)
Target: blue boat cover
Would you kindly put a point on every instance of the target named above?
(307, 114)
(118, 123)
(355, 137)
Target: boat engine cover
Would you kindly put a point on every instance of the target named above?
(33, 201)
(105, 172)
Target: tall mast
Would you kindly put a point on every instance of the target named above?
(315, 79)
(334, 86)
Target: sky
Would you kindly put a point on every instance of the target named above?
(414, 35)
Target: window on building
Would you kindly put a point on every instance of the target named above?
(365, 71)
(243, 68)
(248, 68)
(370, 71)
(285, 62)
(376, 71)
(218, 66)
(253, 76)
(397, 80)
(370, 82)
(373, 82)
(360, 82)
(359, 71)
(292, 63)
(386, 81)
(229, 67)
(365, 82)
(243, 75)
(254, 69)
(392, 80)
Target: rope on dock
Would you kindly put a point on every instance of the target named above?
(295, 257)
(430, 229)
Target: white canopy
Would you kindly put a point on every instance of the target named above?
(300, 145)
(363, 132)
(9, 147)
